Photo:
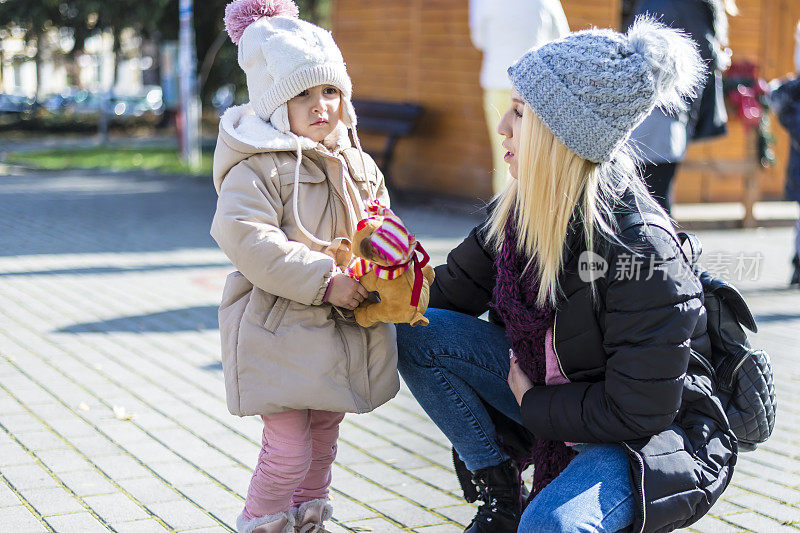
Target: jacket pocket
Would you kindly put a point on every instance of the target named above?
(275, 315)
(364, 176)
(287, 179)
(358, 175)
(236, 287)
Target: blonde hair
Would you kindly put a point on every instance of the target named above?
(552, 185)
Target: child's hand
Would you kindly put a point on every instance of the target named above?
(345, 292)
(519, 382)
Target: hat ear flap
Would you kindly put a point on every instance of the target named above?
(280, 118)
(348, 113)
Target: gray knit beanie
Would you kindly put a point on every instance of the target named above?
(593, 87)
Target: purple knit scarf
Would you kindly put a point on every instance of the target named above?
(526, 323)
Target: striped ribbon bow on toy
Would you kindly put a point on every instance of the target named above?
(393, 243)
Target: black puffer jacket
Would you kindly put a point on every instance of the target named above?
(628, 362)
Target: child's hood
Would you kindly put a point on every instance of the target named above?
(243, 134)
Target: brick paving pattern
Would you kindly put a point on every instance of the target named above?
(112, 410)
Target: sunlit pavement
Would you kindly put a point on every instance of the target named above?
(112, 407)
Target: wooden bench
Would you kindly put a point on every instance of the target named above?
(393, 120)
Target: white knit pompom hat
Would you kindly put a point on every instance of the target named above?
(283, 56)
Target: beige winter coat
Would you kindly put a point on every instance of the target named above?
(282, 347)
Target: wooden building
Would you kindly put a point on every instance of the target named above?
(420, 51)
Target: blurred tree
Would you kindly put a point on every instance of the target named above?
(316, 11)
(216, 54)
(140, 15)
(35, 18)
(83, 18)
(152, 19)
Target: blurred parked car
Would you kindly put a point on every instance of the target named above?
(148, 102)
(223, 98)
(16, 104)
(77, 102)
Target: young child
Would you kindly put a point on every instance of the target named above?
(785, 100)
(291, 188)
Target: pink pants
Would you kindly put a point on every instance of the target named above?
(297, 450)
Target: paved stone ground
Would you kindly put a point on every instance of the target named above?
(112, 412)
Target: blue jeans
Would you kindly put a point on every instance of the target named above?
(457, 361)
(450, 365)
(592, 494)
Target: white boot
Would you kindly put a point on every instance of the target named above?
(310, 516)
(271, 523)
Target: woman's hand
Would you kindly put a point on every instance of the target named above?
(345, 292)
(519, 382)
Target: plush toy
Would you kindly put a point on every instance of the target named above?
(386, 262)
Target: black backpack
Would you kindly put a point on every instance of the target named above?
(742, 374)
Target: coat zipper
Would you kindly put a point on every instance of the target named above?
(332, 189)
(555, 349)
(640, 488)
(705, 363)
(731, 378)
(344, 170)
(324, 161)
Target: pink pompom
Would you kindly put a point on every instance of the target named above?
(239, 14)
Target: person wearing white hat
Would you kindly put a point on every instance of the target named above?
(504, 30)
(292, 181)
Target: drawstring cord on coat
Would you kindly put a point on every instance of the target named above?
(345, 188)
(307, 233)
(372, 193)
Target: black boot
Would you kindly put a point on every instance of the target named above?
(498, 488)
(468, 487)
(796, 275)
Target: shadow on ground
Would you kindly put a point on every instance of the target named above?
(113, 270)
(187, 319)
(776, 317)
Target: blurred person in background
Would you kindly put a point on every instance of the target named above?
(504, 30)
(662, 139)
(785, 101)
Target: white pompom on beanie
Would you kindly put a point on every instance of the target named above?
(283, 56)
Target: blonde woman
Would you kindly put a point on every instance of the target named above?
(662, 139)
(584, 369)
